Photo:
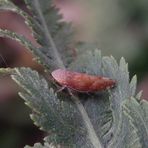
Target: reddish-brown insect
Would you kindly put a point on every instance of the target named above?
(82, 82)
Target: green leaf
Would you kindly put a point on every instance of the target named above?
(103, 119)
(126, 135)
(54, 36)
(75, 119)
(124, 90)
(46, 145)
(139, 95)
(7, 5)
(93, 64)
(138, 112)
(133, 85)
(41, 58)
(89, 62)
(50, 113)
(6, 71)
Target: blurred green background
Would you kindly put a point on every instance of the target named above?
(117, 27)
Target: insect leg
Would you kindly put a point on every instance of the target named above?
(62, 88)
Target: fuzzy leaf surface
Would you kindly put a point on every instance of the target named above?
(117, 134)
(46, 145)
(38, 55)
(54, 36)
(137, 111)
(50, 113)
(65, 119)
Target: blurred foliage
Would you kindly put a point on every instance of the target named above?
(118, 27)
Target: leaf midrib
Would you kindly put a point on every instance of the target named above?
(48, 34)
(91, 132)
